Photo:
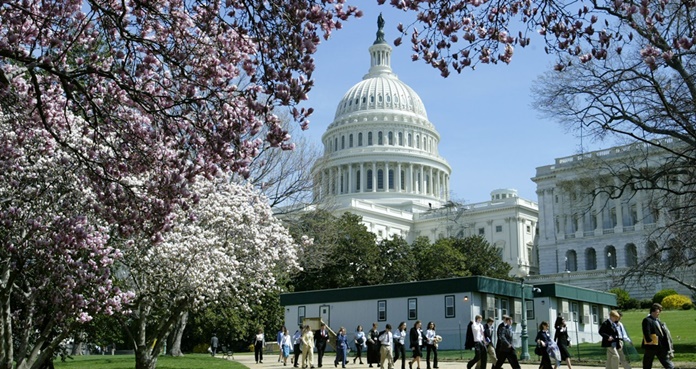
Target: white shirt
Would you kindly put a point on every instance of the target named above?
(400, 336)
(386, 339)
(477, 329)
(430, 335)
(420, 337)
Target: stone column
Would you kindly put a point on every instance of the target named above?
(397, 185)
(374, 176)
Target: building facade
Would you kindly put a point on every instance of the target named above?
(589, 239)
(381, 162)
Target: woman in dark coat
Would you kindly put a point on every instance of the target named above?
(373, 345)
(563, 340)
(547, 347)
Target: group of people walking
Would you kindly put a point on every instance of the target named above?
(657, 341)
(384, 348)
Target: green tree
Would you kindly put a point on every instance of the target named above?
(482, 258)
(397, 261)
(439, 260)
(343, 253)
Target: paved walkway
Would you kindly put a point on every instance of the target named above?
(271, 362)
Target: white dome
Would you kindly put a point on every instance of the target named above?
(380, 89)
(381, 92)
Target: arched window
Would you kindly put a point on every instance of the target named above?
(403, 181)
(390, 138)
(357, 180)
(410, 140)
(651, 250)
(380, 179)
(335, 144)
(369, 179)
(343, 142)
(380, 141)
(391, 179)
(360, 139)
(631, 255)
(401, 139)
(369, 138)
(590, 259)
(417, 142)
(350, 140)
(610, 260)
(571, 261)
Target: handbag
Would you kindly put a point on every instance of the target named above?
(539, 351)
(653, 341)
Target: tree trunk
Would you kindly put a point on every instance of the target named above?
(144, 358)
(175, 339)
(6, 346)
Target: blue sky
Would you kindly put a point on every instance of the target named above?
(490, 134)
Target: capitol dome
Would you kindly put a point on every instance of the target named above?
(381, 147)
(380, 89)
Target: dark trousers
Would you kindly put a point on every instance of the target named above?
(545, 360)
(358, 352)
(297, 352)
(480, 353)
(321, 348)
(433, 349)
(400, 352)
(661, 354)
(508, 354)
(258, 351)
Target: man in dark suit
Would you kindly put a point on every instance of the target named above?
(320, 338)
(654, 328)
(505, 350)
(610, 339)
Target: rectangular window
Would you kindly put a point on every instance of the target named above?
(449, 306)
(498, 228)
(497, 309)
(300, 315)
(574, 311)
(595, 314)
(530, 309)
(504, 307)
(382, 310)
(529, 229)
(482, 231)
(412, 309)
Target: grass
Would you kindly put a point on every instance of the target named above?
(682, 325)
(190, 361)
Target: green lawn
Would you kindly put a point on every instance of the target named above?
(190, 361)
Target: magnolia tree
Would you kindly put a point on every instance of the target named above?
(157, 93)
(54, 257)
(227, 246)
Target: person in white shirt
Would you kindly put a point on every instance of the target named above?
(479, 344)
(623, 336)
(400, 337)
(386, 339)
(431, 346)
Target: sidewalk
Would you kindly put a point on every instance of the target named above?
(271, 362)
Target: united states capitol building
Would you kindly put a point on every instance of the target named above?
(381, 162)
